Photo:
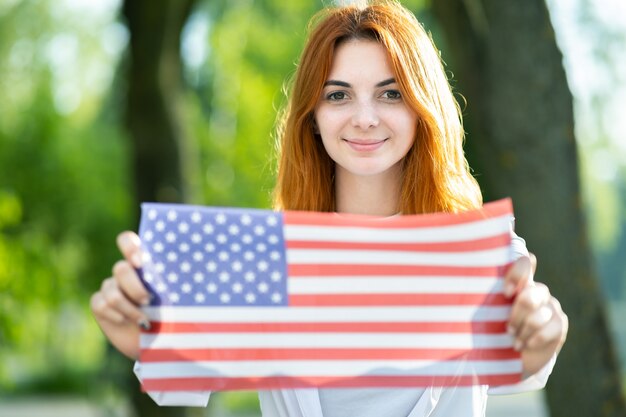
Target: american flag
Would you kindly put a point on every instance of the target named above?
(259, 299)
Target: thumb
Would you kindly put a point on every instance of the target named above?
(519, 275)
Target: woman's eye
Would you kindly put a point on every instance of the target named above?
(336, 96)
(392, 95)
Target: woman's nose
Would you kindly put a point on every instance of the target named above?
(365, 116)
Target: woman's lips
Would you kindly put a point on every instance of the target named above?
(365, 145)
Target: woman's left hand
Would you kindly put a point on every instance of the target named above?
(537, 321)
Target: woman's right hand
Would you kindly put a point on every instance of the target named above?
(116, 306)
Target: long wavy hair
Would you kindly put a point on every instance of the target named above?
(436, 176)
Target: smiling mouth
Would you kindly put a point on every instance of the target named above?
(362, 145)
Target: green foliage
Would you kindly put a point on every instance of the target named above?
(64, 177)
(63, 197)
(253, 48)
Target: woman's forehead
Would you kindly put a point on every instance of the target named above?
(360, 59)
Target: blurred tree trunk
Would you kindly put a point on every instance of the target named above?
(521, 144)
(153, 120)
(154, 95)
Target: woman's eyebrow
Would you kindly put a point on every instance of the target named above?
(386, 82)
(337, 83)
(347, 85)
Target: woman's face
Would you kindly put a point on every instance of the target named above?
(365, 126)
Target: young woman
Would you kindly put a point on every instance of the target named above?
(371, 127)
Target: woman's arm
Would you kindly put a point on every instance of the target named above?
(537, 321)
(117, 309)
(116, 306)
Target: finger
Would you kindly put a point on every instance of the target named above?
(528, 301)
(130, 246)
(129, 282)
(554, 331)
(115, 300)
(518, 276)
(100, 309)
(533, 326)
(533, 263)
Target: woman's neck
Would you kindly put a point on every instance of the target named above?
(376, 195)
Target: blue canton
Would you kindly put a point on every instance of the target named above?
(209, 256)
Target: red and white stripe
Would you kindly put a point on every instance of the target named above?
(404, 301)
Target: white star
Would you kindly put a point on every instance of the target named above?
(161, 287)
(172, 277)
(171, 215)
(172, 257)
(159, 268)
(223, 256)
(158, 247)
(209, 247)
(208, 228)
(146, 257)
(259, 230)
(261, 247)
(185, 266)
(249, 276)
(221, 238)
(170, 237)
(160, 226)
(211, 266)
(198, 256)
(274, 255)
(148, 277)
(174, 297)
(246, 219)
(247, 239)
(250, 298)
(183, 227)
(196, 238)
(235, 247)
(263, 287)
(183, 247)
(276, 276)
(152, 214)
(225, 298)
(237, 266)
(262, 266)
(276, 297)
(199, 297)
(198, 277)
(233, 229)
(224, 276)
(237, 287)
(249, 255)
(196, 217)
(272, 221)
(220, 218)
(272, 239)
(211, 288)
(186, 288)
(148, 236)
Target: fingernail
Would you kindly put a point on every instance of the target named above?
(144, 324)
(517, 345)
(122, 239)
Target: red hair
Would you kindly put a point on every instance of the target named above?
(436, 175)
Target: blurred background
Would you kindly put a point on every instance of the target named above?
(106, 103)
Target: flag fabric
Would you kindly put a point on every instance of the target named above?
(259, 299)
